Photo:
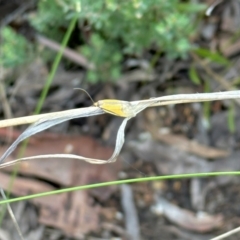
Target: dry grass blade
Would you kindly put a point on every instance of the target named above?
(67, 52)
(47, 122)
(58, 118)
(73, 113)
(138, 106)
(118, 147)
(227, 234)
(52, 119)
(188, 98)
(12, 215)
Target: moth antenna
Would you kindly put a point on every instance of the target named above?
(85, 92)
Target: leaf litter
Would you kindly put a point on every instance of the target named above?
(81, 215)
(219, 32)
(137, 106)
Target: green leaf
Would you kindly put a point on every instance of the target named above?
(15, 49)
(194, 75)
(213, 56)
(186, 7)
(207, 105)
(231, 119)
(116, 29)
(92, 77)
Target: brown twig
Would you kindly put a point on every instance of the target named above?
(67, 52)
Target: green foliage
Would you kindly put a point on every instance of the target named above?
(207, 105)
(120, 28)
(193, 74)
(231, 119)
(50, 19)
(105, 57)
(15, 49)
(212, 56)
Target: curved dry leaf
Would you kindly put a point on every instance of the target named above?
(135, 107)
(187, 98)
(48, 122)
(141, 105)
(118, 147)
(187, 219)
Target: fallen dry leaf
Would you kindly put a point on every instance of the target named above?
(168, 159)
(24, 186)
(201, 222)
(60, 170)
(191, 146)
(72, 212)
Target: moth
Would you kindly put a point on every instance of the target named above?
(116, 107)
(113, 106)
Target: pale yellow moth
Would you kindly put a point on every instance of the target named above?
(113, 106)
(116, 107)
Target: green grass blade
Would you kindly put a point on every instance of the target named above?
(126, 181)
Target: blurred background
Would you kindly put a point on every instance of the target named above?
(126, 50)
